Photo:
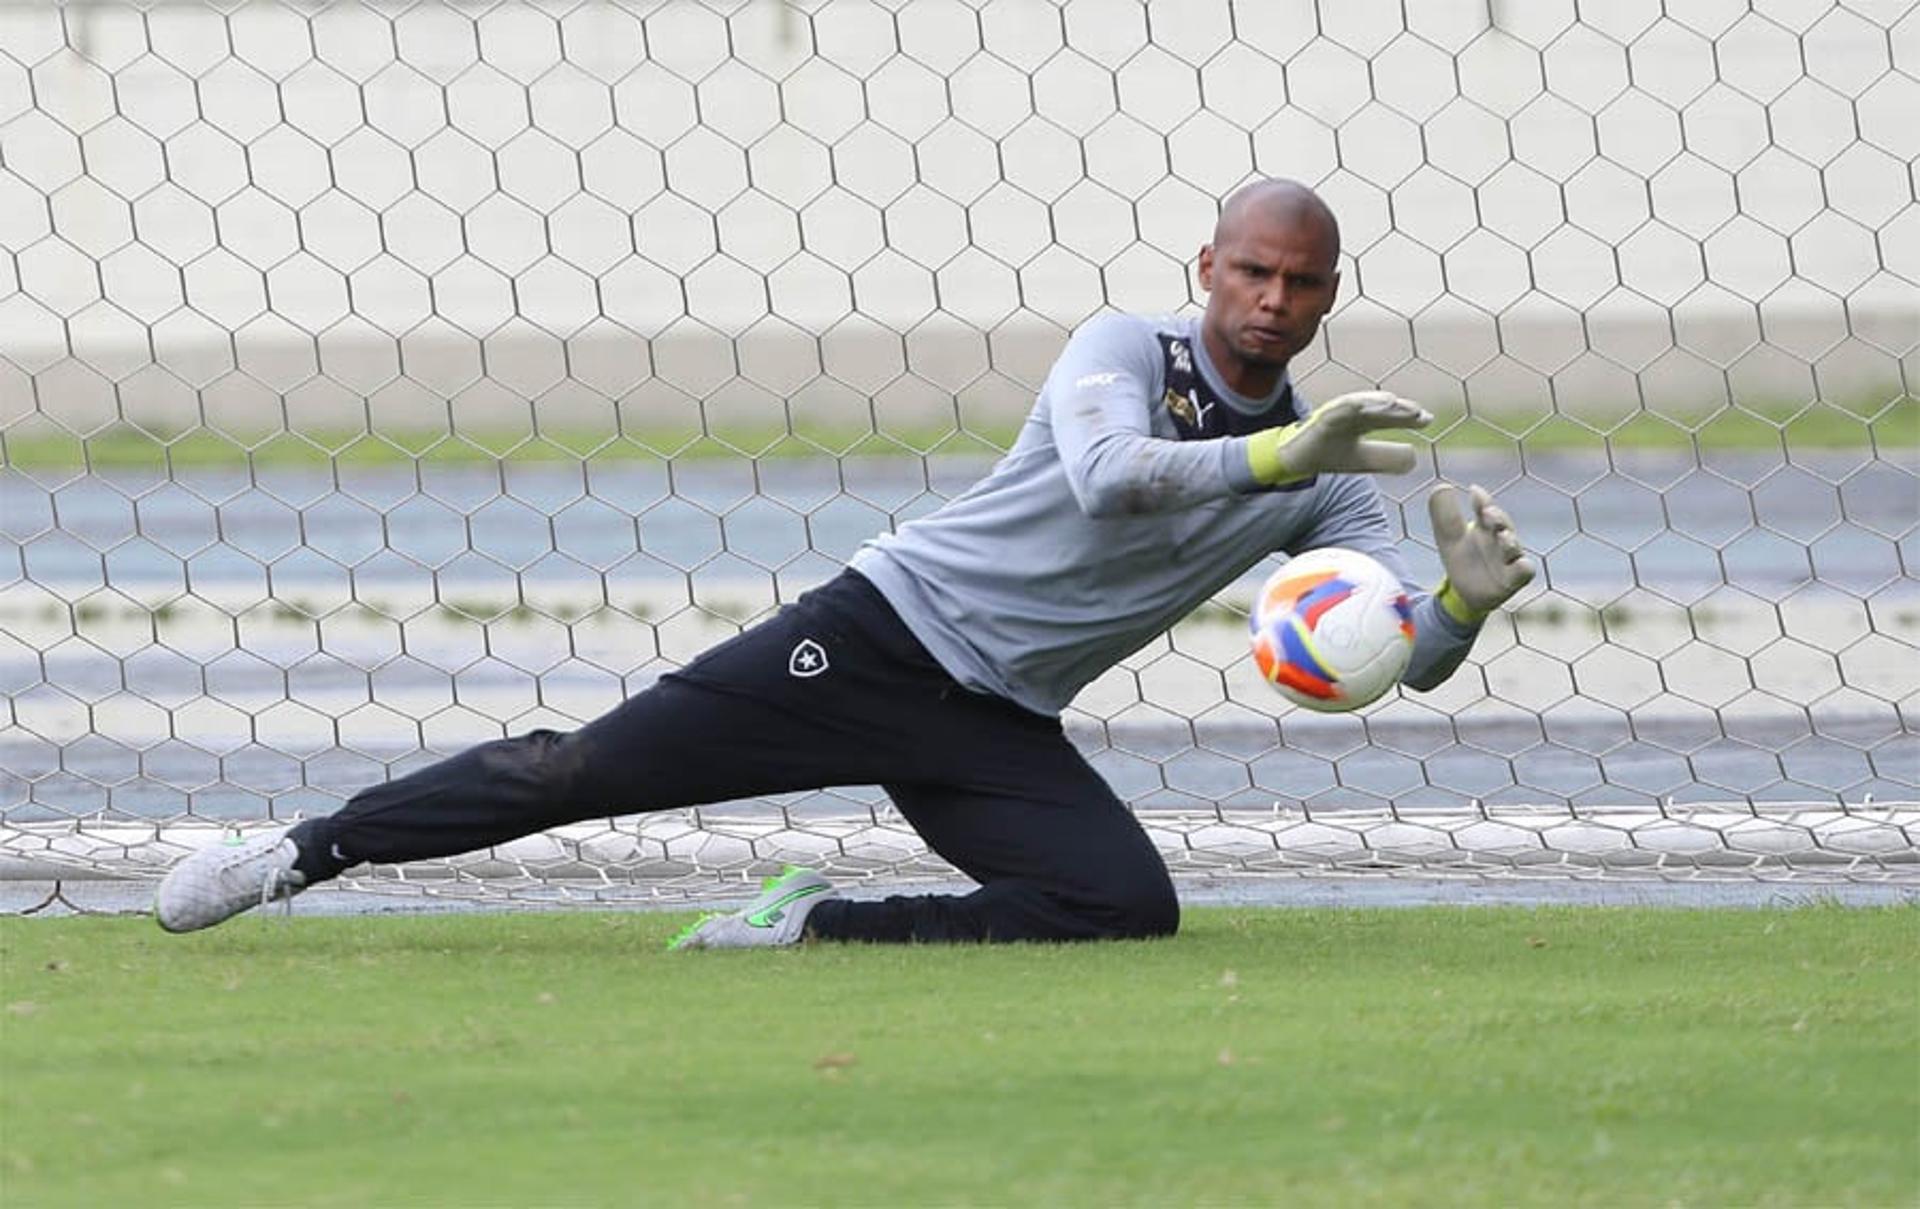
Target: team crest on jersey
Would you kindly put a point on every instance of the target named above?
(1187, 409)
(1197, 412)
(808, 659)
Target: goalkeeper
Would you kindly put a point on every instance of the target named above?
(1161, 461)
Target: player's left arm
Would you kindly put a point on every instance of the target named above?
(1482, 554)
(1352, 515)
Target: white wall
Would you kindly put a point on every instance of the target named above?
(655, 206)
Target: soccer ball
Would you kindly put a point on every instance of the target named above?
(1332, 630)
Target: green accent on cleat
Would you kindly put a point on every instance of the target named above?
(686, 934)
(768, 914)
(777, 917)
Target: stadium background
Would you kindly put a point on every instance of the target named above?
(376, 380)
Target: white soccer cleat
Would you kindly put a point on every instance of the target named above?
(222, 880)
(777, 917)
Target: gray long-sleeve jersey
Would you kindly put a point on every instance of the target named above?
(1126, 501)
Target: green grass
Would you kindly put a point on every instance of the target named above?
(1425, 1056)
(43, 445)
(127, 447)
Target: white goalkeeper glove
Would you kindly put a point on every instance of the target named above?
(1334, 438)
(1484, 561)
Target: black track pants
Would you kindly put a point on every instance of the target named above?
(833, 690)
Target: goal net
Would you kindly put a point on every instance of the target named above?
(380, 379)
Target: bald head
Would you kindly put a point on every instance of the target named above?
(1274, 200)
(1271, 274)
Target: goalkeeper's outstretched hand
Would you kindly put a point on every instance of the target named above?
(1483, 557)
(1334, 438)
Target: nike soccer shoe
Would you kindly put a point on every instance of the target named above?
(777, 917)
(222, 880)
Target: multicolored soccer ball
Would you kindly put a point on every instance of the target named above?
(1332, 630)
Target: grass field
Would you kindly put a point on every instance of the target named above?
(1886, 421)
(1387, 1057)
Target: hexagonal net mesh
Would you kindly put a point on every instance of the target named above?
(378, 380)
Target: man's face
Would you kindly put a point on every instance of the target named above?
(1269, 284)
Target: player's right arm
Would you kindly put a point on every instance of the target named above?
(1100, 401)
(1337, 437)
(1100, 398)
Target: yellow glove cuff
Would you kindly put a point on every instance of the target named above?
(1263, 455)
(1456, 607)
